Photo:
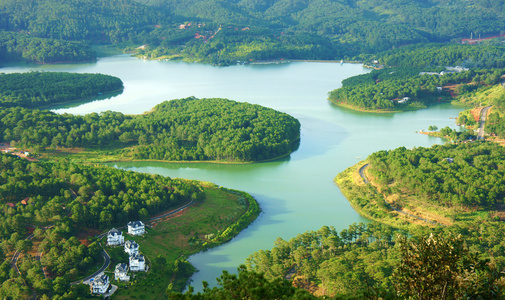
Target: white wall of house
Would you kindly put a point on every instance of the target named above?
(131, 247)
(136, 228)
(115, 237)
(100, 284)
(137, 263)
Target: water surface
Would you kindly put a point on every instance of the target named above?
(296, 193)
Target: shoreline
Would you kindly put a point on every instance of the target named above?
(107, 159)
(355, 108)
(85, 100)
(381, 211)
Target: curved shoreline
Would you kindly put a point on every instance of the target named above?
(354, 191)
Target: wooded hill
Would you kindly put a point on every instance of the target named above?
(421, 75)
(184, 129)
(264, 29)
(486, 55)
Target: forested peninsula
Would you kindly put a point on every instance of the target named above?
(40, 89)
(58, 207)
(61, 200)
(186, 129)
(445, 184)
(416, 76)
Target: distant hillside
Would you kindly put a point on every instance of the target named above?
(370, 25)
(329, 29)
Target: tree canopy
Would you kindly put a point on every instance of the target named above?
(16, 46)
(373, 261)
(468, 174)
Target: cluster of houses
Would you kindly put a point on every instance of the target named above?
(448, 70)
(187, 25)
(136, 261)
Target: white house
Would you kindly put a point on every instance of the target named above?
(136, 228)
(131, 247)
(404, 100)
(100, 284)
(121, 272)
(137, 263)
(115, 237)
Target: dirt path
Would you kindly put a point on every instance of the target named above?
(365, 179)
(480, 130)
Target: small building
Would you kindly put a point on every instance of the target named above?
(457, 69)
(121, 272)
(137, 263)
(428, 73)
(115, 237)
(10, 204)
(100, 284)
(136, 228)
(450, 160)
(439, 88)
(404, 100)
(131, 247)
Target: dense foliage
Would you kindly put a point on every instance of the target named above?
(217, 129)
(185, 129)
(386, 88)
(435, 54)
(365, 26)
(465, 174)
(373, 260)
(16, 46)
(91, 196)
(37, 89)
(102, 21)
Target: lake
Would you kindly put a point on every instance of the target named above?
(296, 193)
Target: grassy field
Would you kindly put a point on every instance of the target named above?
(170, 242)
